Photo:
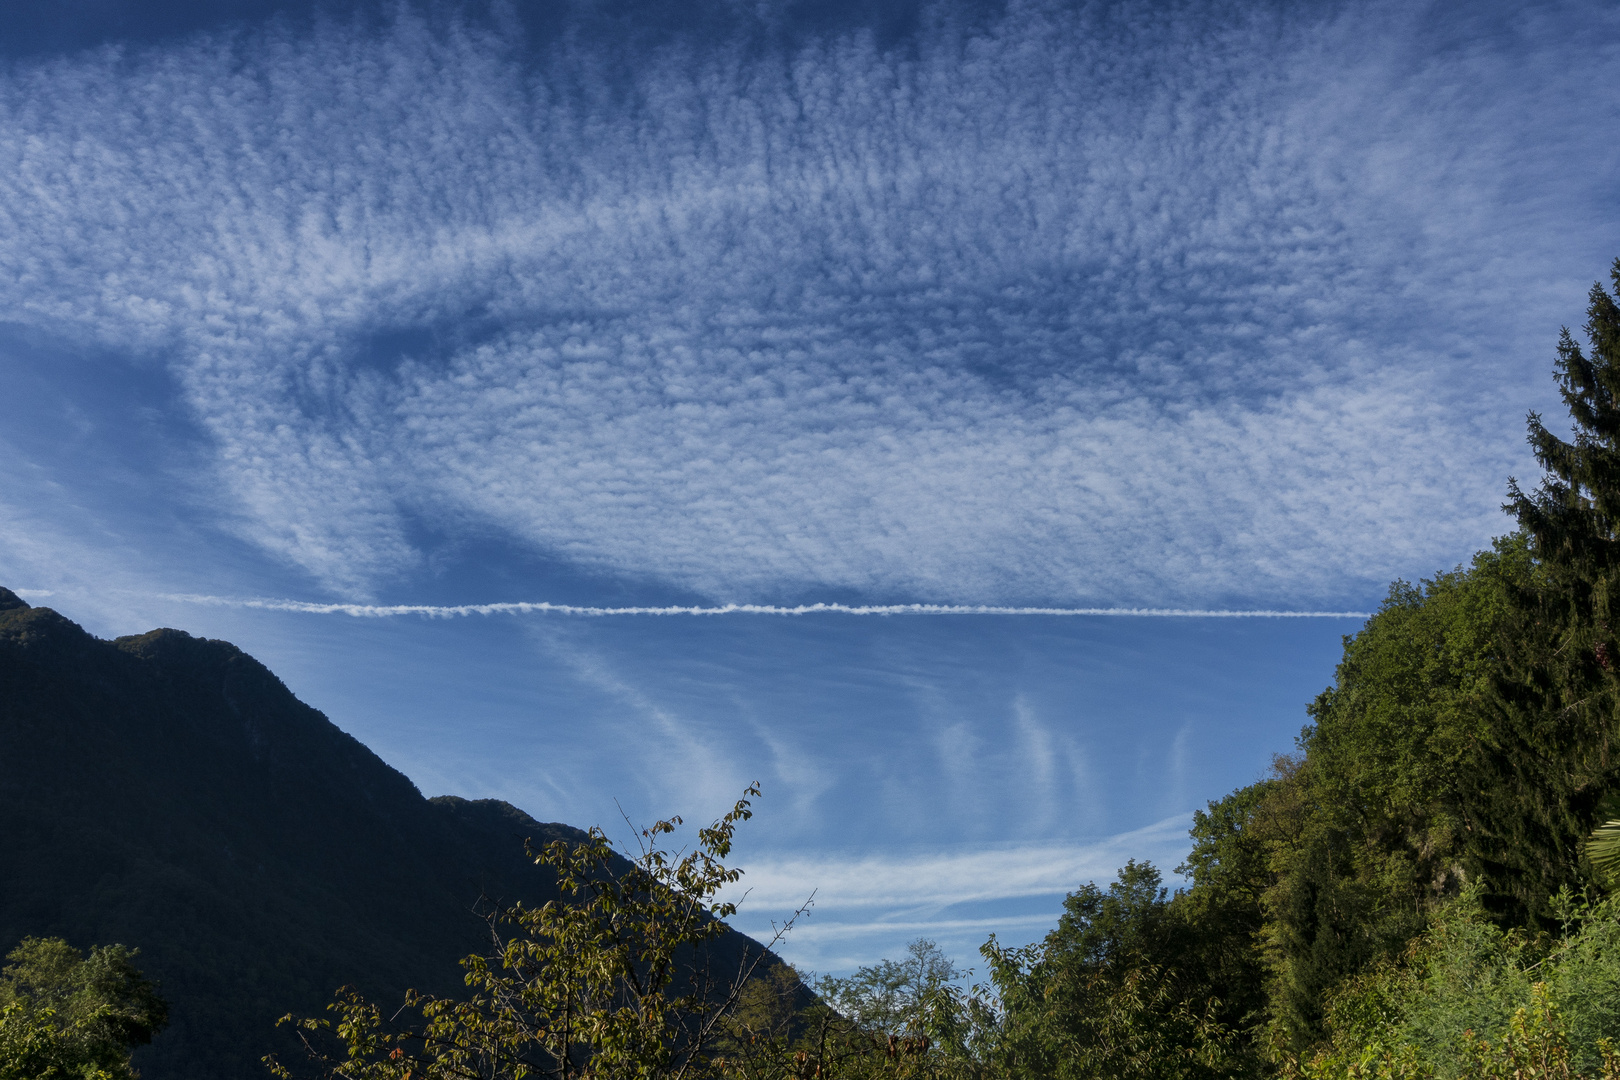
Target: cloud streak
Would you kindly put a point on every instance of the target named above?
(941, 880)
(870, 905)
(523, 607)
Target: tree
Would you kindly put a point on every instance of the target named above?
(895, 1020)
(1550, 754)
(1236, 843)
(890, 996)
(612, 979)
(1107, 995)
(1468, 998)
(1370, 828)
(64, 1015)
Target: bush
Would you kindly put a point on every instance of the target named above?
(1470, 999)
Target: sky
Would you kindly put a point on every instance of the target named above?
(511, 378)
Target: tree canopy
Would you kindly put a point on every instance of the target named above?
(68, 1016)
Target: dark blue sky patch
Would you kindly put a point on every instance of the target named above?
(95, 418)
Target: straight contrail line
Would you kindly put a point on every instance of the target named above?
(435, 611)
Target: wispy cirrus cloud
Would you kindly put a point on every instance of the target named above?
(939, 880)
(1184, 308)
(874, 904)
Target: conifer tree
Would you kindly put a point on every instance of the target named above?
(1552, 746)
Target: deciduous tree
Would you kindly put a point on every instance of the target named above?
(67, 1015)
(610, 980)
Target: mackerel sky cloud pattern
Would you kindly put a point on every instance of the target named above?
(605, 421)
(1077, 307)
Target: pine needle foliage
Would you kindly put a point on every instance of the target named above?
(1551, 749)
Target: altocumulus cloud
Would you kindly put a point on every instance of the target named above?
(1175, 308)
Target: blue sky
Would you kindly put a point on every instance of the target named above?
(1192, 306)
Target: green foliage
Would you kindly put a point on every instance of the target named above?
(1338, 858)
(1537, 1044)
(1334, 862)
(34, 1046)
(1230, 869)
(889, 997)
(1602, 848)
(1386, 783)
(1103, 996)
(1469, 739)
(1550, 755)
(64, 1015)
(1456, 747)
(1469, 743)
(611, 978)
(1469, 999)
(894, 1019)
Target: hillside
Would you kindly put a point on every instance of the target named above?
(170, 793)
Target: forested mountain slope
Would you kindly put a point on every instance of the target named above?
(169, 793)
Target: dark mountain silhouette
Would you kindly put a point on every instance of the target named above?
(169, 793)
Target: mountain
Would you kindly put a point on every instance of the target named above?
(169, 793)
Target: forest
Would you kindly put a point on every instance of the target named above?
(1426, 886)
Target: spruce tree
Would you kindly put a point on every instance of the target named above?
(1548, 754)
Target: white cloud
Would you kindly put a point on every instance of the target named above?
(545, 607)
(667, 749)
(873, 904)
(939, 880)
(1189, 310)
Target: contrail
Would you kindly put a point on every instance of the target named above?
(435, 611)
